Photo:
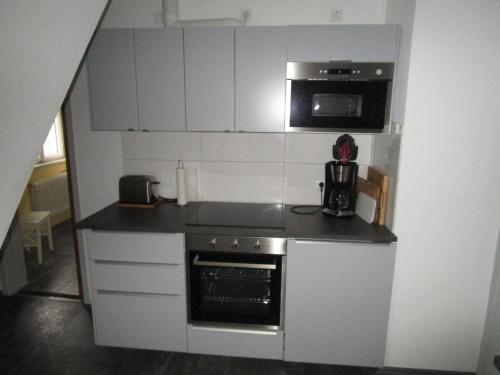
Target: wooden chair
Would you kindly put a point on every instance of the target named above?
(34, 225)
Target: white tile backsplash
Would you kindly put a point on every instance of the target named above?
(242, 182)
(248, 167)
(165, 171)
(317, 148)
(255, 147)
(161, 146)
(301, 183)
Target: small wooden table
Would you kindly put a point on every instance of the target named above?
(34, 225)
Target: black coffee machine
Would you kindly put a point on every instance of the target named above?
(340, 179)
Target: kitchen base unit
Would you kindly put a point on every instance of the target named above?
(235, 342)
(337, 302)
(138, 289)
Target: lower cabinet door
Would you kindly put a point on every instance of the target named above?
(337, 302)
(140, 320)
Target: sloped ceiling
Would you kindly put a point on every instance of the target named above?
(41, 45)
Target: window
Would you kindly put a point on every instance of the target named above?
(53, 147)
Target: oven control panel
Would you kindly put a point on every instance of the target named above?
(257, 245)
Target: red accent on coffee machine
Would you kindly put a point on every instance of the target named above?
(340, 179)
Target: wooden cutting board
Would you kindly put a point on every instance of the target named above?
(378, 178)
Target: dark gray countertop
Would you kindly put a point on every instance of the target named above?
(170, 218)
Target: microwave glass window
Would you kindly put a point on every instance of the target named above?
(330, 105)
(337, 105)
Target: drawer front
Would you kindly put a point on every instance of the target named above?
(142, 321)
(138, 277)
(136, 247)
(235, 342)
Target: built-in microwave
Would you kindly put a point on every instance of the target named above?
(338, 96)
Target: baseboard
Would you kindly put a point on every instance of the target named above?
(414, 371)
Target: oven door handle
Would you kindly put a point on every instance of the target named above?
(198, 262)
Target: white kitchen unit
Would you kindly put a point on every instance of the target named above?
(209, 66)
(159, 58)
(138, 289)
(112, 84)
(343, 42)
(337, 302)
(260, 73)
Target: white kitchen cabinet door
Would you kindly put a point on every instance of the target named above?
(112, 84)
(343, 42)
(337, 302)
(136, 247)
(140, 320)
(209, 64)
(159, 56)
(260, 71)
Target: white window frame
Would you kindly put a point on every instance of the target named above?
(57, 137)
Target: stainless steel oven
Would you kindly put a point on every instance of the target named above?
(236, 281)
(338, 96)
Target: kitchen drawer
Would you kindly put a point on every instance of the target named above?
(138, 277)
(136, 247)
(143, 321)
(235, 342)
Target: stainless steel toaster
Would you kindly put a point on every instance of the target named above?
(140, 189)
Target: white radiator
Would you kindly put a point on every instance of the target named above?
(50, 194)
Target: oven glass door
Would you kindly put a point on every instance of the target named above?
(338, 104)
(235, 289)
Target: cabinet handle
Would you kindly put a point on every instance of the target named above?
(236, 330)
(122, 293)
(130, 129)
(127, 263)
(319, 240)
(258, 266)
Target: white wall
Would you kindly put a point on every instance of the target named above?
(237, 167)
(448, 208)
(42, 43)
(97, 155)
(285, 12)
(133, 13)
(386, 147)
(490, 346)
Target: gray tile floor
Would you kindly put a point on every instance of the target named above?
(57, 274)
(41, 335)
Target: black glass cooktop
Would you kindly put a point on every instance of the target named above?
(244, 215)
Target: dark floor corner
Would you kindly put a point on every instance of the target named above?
(57, 275)
(41, 335)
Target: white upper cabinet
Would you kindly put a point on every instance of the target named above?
(209, 65)
(112, 83)
(260, 67)
(160, 79)
(342, 42)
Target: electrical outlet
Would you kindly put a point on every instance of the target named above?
(336, 15)
(246, 16)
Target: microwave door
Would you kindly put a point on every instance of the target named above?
(336, 105)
